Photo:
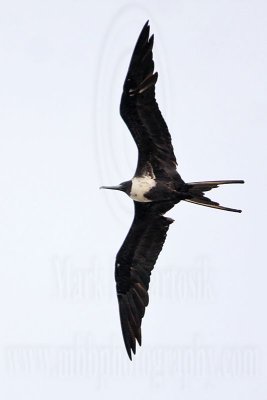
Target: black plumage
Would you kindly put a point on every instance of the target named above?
(134, 263)
(141, 113)
(155, 188)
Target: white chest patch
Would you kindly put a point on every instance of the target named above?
(140, 186)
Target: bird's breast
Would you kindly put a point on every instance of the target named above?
(140, 187)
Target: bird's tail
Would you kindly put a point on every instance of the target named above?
(196, 193)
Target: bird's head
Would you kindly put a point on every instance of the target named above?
(124, 187)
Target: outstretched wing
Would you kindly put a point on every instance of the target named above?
(134, 263)
(141, 114)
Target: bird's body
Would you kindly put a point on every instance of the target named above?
(141, 187)
(155, 188)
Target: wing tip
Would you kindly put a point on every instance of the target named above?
(131, 331)
(129, 353)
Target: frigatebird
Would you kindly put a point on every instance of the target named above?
(155, 188)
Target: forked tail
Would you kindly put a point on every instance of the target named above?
(197, 191)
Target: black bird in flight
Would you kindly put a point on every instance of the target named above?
(155, 188)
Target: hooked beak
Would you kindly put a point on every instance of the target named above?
(118, 187)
